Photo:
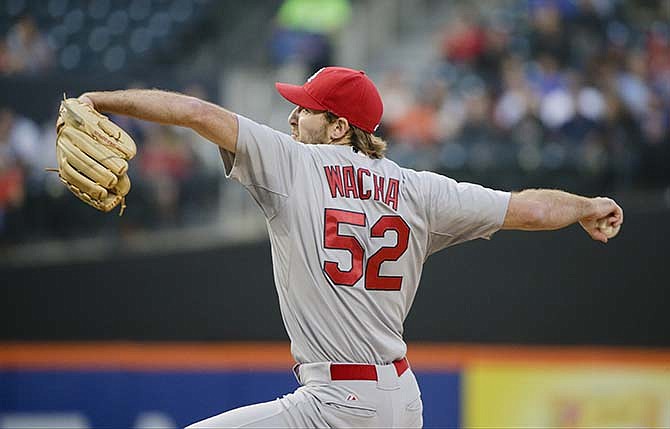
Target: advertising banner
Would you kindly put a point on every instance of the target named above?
(518, 395)
(130, 399)
(168, 399)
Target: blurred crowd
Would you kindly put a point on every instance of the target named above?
(175, 181)
(556, 90)
(572, 94)
(175, 176)
(39, 36)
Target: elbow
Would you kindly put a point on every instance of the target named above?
(212, 122)
(527, 216)
(527, 213)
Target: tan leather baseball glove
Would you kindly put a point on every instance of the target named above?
(93, 154)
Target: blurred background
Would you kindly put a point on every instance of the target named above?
(167, 314)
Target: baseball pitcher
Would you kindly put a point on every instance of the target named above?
(350, 231)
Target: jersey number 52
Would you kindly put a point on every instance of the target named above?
(334, 240)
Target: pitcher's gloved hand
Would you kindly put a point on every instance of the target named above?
(93, 154)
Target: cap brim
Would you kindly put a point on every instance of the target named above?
(297, 95)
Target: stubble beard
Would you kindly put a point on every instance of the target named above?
(317, 137)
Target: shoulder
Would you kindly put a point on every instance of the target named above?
(248, 128)
(267, 138)
(422, 177)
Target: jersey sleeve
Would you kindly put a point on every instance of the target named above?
(459, 212)
(264, 163)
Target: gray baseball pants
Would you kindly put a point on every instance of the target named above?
(320, 402)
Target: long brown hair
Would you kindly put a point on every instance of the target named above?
(367, 143)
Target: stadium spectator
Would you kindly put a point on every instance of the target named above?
(587, 28)
(305, 29)
(463, 41)
(516, 99)
(395, 90)
(417, 132)
(164, 165)
(21, 135)
(11, 174)
(418, 126)
(27, 48)
(547, 33)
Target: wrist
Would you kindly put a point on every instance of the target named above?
(589, 207)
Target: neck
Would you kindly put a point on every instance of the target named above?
(342, 141)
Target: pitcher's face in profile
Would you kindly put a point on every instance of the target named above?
(308, 126)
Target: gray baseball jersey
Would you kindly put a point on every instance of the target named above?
(349, 237)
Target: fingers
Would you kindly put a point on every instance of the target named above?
(597, 235)
(615, 220)
(606, 215)
(614, 212)
(591, 228)
(616, 216)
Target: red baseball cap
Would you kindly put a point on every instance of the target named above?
(344, 92)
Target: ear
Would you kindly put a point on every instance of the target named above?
(338, 129)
